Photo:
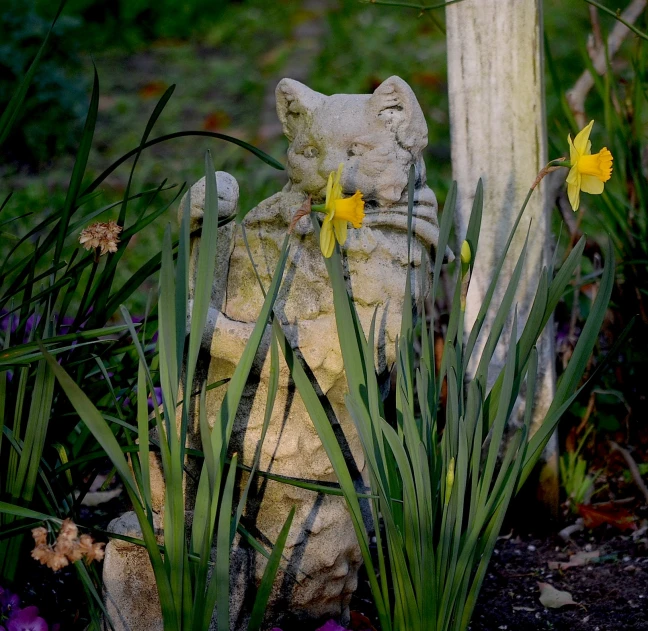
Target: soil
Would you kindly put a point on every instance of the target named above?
(612, 592)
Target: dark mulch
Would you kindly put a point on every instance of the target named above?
(612, 592)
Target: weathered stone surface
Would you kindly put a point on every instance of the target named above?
(377, 137)
(129, 585)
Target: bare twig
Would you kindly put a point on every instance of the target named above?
(621, 17)
(596, 28)
(632, 465)
(577, 95)
(567, 532)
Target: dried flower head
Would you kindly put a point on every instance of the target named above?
(92, 551)
(65, 546)
(68, 530)
(40, 535)
(98, 552)
(102, 236)
(68, 548)
(42, 553)
(57, 561)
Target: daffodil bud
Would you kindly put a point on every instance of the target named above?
(450, 478)
(466, 257)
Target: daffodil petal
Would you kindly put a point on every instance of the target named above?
(327, 240)
(591, 184)
(573, 175)
(573, 154)
(573, 192)
(340, 228)
(581, 142)
(329, 189)
(337, 186)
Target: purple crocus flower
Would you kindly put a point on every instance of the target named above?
(26, 619)
(65, 325)
(331, 625)
(158, 397)
(9, 602)
(32, 322)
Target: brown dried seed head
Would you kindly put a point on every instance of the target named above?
(68, 530)
(42, 553)
(57, 561)
(64, 546)
(40, 535)
(98, 552)
(92, 551)
(75, 554)
(101, 235)
(85, 544)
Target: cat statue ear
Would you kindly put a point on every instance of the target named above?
(395, 103)
(294, 101)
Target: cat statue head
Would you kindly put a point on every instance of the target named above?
(377, 137)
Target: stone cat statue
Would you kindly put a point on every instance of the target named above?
(377, 137)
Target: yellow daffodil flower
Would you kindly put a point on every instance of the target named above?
(339, 211)
(588, 171)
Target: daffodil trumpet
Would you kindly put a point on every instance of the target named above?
(339, 211)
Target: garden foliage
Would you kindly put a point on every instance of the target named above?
(439, 494)
(75, 392)
(56, 303)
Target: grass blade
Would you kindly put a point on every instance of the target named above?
(12, 110)
(269, 574)
(79, 168)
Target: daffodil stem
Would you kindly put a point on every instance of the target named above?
(524, 205)
(319, 208)
(560, 162)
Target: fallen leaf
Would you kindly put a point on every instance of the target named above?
(575, 560)
(554, 598)
(607, 513)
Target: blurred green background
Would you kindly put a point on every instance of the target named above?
(226, 57)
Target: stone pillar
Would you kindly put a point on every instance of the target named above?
(497, 120)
